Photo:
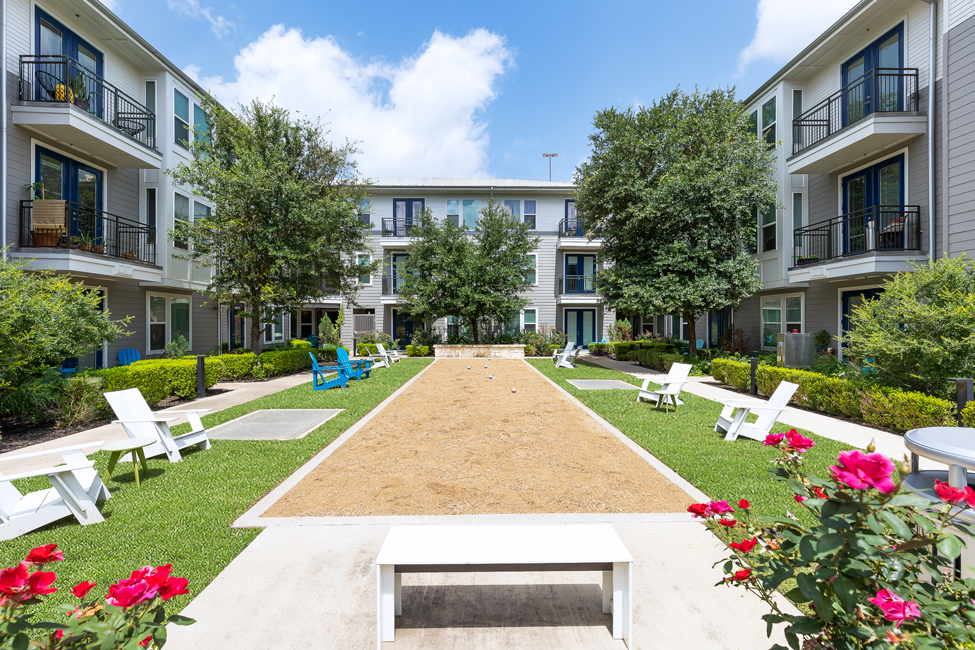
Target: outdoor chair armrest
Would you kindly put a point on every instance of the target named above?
(141, 421)
(47, 471)
(57, 450)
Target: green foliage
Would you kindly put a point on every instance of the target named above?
(731, 372)
(657, 359)
(285, 210)
(417, 350)
(900, 410)
(832, 395)
(35, 398)
(326, 331)
(968, 415)
(299, 344)
(471, 276)
(379, 336)
(151, 378)
(281, 362)
(330, 352)
(82, 400)
(672, 190)
(365, 349)
(598, 349)
(238, 366)
(921, 330)
(182, 375)
(623, 350)
(45, 319)
(621, 331)
(178, 347)
(557, 338)
(822, 338)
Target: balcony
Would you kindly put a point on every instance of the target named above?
(392, 285)
(879, 239)
(396, 228)
(63, 101)
(573, 235)
(577, 289)
(873, 114)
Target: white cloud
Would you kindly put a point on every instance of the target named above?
(418, 117)
(112, 5)
(192, 9)
(785, 27)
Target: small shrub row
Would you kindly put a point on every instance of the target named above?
(598, 349)
(280, 362)
(657, 360)
(417, 350)
(882, 406)
(624, 350)
(365, 349)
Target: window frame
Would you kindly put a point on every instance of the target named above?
(799, 222)
(365, 212)
(189, 204)
(783, 322)
(774, 224)
(265, 331)
(770, 127)
(168, 337)
(186, 122)
(534, 257)
(534, 212)
(359, 257)
(534, 310)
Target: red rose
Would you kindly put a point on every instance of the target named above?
(44, 554)
(745, 545)
(773, 439)
(744, 505)
(128, 593)
(820, 493)
(173, 587)
(14, 579)
(970, 497)
(799, 498)
(798, 443)
(59, 634)
(949, 494)
(40, 582)
(698, 509)
(146, 641)
(81, 590)
(730, 523)
(742, 575)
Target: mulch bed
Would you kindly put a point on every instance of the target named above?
(456, 442)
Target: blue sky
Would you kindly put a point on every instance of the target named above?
(473, 89)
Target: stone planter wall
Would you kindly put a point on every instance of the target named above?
(479, 351)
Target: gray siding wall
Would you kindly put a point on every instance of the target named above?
(960, 158)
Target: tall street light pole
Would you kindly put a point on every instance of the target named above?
(550, 156)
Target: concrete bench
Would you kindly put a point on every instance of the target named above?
(475, 549)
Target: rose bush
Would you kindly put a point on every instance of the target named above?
(875, 569)
(132, 615)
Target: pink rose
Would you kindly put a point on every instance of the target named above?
(773, 439)
(798, 443)
(949, 494)
(861, 471)
(720, 507)
(895, 609)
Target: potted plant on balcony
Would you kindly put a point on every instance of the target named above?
(129, 254)
(47, 216)
(86, 241)
(79, 88)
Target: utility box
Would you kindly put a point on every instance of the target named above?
(795, 351)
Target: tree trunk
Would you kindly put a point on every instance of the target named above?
(474, 330)
(692, 335)
(256, 327)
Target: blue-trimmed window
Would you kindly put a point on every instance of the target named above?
(181, 119)
(872, 78)
(82, 78)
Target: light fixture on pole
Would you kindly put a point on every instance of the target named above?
(550, 156)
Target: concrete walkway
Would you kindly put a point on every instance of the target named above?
(851, 433)
(237, 393)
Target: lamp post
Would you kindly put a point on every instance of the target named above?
(550, 156)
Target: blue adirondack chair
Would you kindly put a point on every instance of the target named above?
(339, 381)
(69, 367)
(361, 370)
(127, 356)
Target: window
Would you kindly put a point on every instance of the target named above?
(514, 209)
(797, 215)
(365, 213)
(181, 119)
(796, 114)
(405, 211)
(453, 211)
(471, 213)
(201, 211)
(365, 278)
(532, 277)
(751, 245)
(457, 328)
(151, 208)
(768, 229)
(274, 327)
(529, 319)
(151, 105)
(54, 39)
(513, 325)
(530, 213)
(169, 316)
(780, 315)
(201, 128)
(768, 122)
(753, 124)
(181, 218)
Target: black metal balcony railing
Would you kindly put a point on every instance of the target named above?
(86, 229)
(882, 90)
(571, 228)
(61, 79)
(396, 228)
(392, 285)
(878, 228)
(577, 284)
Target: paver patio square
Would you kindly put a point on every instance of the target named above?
(602, 384)
(273, 424)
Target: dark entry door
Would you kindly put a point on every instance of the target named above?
(580, 325)
(402, 328)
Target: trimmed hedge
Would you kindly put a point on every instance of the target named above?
(279, 362)
(238, 366)
(624, 350)
(968, 415)
(180, 374)
(597, 349)
(299, 343)
(365, 349)
(151, 382)
(417, 350)
(881, 406)
(657, 359)
(330, 352)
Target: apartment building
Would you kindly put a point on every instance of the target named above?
(872, 130)
(562, 295)
(94, 115)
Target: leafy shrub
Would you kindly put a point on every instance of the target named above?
(330, 352)
(296, 344)
(424, 337)
(282, 362)
(378, 336)
(557, 338)
(968, 415)
(180, 374)
(621, 330)
(417, 350)
(832, 395)
(899, 410)
(621, 350)
(536, 344)
(657, 360)
(457, 340)
(178, 347)
(365, 349)
(735, 373)
(150, 378)
(238, 366)
(35, 398)
(82, 401)
(597, 349)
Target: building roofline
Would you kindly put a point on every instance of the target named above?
(761, 90)
(467, 184)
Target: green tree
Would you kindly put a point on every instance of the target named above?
(472, 276)
(285, 223)
(672, 189)
(45, 319)
(921, 330)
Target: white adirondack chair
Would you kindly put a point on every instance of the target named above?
(670, 387)
(134, 414)
(558, 354)
(75, 489)
(392, 356)
(732, 422)
(567, 357)
(379, 358)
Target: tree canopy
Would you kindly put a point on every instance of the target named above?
(672, 189)
(472, 276)
(920, 331)
(285, 223)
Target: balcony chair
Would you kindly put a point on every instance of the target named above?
(139, 421)
(670, 387)
(732, 419)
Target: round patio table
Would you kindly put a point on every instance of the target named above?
(132, 446)
(953, 446)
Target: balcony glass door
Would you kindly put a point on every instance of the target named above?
(870, 81)
(579, 273)
(404, 213)
(66, 178)
(398, 270)
(77, 81)
(873, 201)
(580, 325)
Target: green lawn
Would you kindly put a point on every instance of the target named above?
(687, 443)
(183, 511)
